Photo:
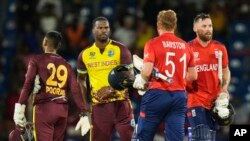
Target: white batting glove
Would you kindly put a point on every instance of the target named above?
(222, 100)
(141, 92)
(19, 117)
(37, 85)
(222, 112)
(83, 124)
(139, 82)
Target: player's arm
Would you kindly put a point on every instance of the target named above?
(29, 82)
(226, 74)
(147, 70)
(81, 80)
(83, 124)
(191, 74)
(19, 111)
(77, 95)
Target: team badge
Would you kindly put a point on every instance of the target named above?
(196, 56)
(111, 53)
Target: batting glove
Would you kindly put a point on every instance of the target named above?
(141, 92)
(222, 100)
(37, 85)
(19, 117)
(139, 82)
(222, 112)
(83, 124)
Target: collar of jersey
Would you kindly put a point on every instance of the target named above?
(105, 46)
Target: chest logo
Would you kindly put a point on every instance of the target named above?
(92, 54)
(196, 56)
(111, 53)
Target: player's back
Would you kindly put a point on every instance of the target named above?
(172, 58)
(54, 72)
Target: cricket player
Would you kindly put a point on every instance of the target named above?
(55, 81)
(110, 109)
(164, 101)
(207, 91)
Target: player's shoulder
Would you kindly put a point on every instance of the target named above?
(218, 43)
(153, 40)
(87, 49)
(116, 43)
(36, 57)
(191, 42)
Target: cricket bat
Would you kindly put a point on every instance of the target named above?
(220, 67)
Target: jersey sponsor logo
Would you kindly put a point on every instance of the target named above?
(174, 45)
(102, 64)
(111, 53)
(206, 67)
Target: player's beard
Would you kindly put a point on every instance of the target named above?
(205, 37)
(103, 38)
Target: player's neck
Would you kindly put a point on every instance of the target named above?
(165, 31)
(50, 51)
(101, 45)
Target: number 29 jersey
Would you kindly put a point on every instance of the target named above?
(171, 57)
(56, 78)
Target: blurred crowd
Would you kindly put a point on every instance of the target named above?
(24, 22)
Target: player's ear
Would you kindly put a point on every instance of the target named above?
(158, 25)
(195, 27)
(93, 31)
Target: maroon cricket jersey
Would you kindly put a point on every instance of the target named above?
(56, 79)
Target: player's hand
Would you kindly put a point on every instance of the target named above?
(141, 92)
(37, 85)
(83, 124)
(139, 82)
(222, 112)
(222, 100)
(19, 117)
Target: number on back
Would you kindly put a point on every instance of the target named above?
(61, 73)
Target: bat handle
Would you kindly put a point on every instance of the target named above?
(159, 75)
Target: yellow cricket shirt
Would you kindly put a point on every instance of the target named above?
(98, 65)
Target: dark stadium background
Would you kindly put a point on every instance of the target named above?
(24, 22)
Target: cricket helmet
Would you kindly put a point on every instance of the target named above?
(22, 133)
(121, 77)
(224, 121)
